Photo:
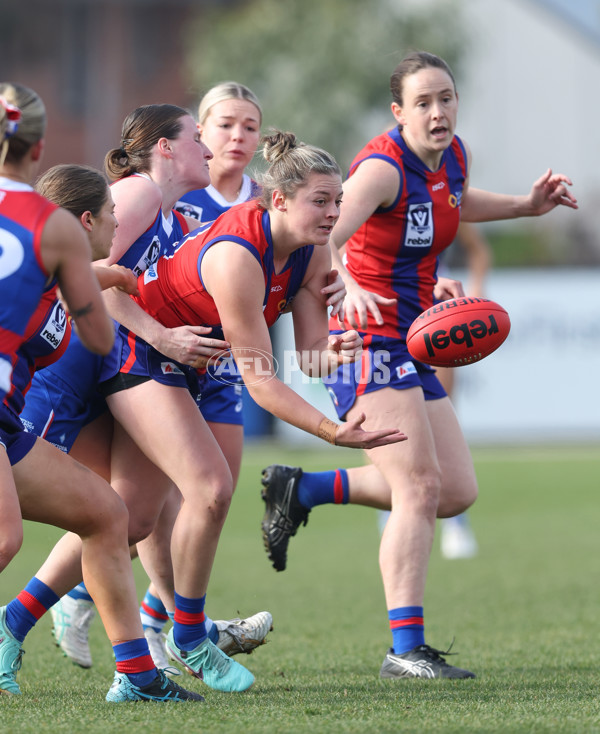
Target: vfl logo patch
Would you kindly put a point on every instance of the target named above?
(419, 230)
(54, 329)
(148, 258)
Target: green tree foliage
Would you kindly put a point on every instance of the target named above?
(321, 68)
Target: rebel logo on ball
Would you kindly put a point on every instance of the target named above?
(466, 334)
(458, 331)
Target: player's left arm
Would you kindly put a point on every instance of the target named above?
(548, 192)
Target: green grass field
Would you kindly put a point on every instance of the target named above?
(523, 613)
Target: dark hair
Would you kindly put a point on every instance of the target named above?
(31, 127)
(411, 64)
(142, 129)
(291, 163)
(76, 188)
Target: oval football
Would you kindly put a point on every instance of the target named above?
(457, 332)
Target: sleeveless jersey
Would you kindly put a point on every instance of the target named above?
(395, 252)
(23, 214)
(46, 338)
(157, 240)
(207, 204)
(173, 293)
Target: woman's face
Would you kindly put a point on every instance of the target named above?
(190, 156)
(232, 131)
(315, 208)
(103, 229)
(429, 111)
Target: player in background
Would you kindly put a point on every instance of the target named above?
(44, 242)
(457, 539)
(407, 187)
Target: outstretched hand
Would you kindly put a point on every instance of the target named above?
(352, 435)
(550, 191)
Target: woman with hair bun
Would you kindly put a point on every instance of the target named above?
(256, 260)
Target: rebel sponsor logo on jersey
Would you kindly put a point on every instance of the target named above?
(53, 331)
(419, 225)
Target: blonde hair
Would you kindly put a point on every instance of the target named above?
(222, 92)
(31, 127)
(291, 162)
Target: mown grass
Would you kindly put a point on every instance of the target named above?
(523, 614)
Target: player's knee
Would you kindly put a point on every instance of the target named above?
(457, 500)
(428, 486)
(219, 497)
(10, 546)
(107, 513)
(140, 527)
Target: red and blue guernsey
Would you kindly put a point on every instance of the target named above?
(395, 252)
(207, 204)
(46, 338)
(172, 290)
(23, 214)
(156, 241)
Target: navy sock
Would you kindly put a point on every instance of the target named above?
(133, 658)
(25, 610)
(189, 629)
(408, 630)
(320, 488)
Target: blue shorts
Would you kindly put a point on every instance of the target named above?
(55, 411)
(133, 356)
(221, 395)
(17, 442)
(385, 362)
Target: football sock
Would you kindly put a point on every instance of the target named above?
(320, 488)
(25, 609)
(80, 592)
(133, 658)
(211, 629)
(189, 629)
(407, 627)
(153, 613)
